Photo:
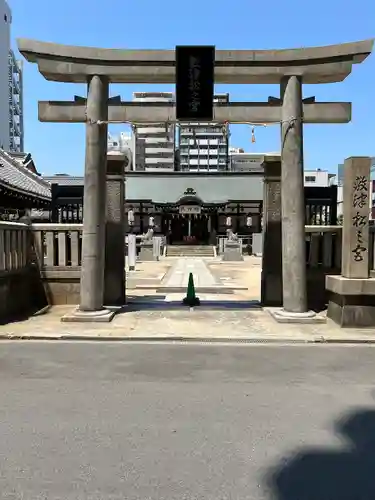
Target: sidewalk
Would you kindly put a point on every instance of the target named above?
(229, 312)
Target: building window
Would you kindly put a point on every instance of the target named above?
(310, 178)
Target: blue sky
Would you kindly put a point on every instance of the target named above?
(240, 24)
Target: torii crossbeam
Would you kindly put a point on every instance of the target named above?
(234, 112)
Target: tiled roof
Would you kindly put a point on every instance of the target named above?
(15, 175)
(65, 180)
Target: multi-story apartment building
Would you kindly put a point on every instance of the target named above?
(15, 91)
(5, 22)
(153, 144)
(204, 146)
(11, 100)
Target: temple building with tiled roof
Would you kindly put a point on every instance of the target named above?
(21, 187)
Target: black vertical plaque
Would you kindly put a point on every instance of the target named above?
(195, 67)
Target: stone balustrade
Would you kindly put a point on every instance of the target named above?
(57, 245)
(57, 250)
(14, 246)
(53, 251)
(61, 245)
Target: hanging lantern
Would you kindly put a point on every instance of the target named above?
(253, 134)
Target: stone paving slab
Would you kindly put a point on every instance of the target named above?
(175, 322)
(175, 277)
(147, 275)
(178, 276)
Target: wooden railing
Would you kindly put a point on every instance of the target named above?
(14, 246)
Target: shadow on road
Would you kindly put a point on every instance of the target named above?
(323, 474)
(142, 303)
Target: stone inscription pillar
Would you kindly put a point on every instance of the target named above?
(292, 199)
(355, 232)
(114, 276)
(352, 295)
(93, 240)
(132, 251)
(271, 283)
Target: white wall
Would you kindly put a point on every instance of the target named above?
(318, 178)
(5, 22)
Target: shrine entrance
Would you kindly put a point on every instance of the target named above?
(191, 222)
(190, 229)
(98, 68)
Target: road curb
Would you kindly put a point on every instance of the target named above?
(187, 340)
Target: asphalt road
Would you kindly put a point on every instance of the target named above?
(121, 421)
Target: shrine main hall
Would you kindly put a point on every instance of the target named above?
(186, 207)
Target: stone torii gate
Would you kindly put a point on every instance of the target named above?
(288, 68)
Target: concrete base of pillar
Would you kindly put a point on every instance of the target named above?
(351, 302)
(78, 316)
(146, 253)
(232, 252)
(282, 316)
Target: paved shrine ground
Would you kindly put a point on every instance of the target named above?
(229, 294)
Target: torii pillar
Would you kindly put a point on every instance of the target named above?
(294, 279)
(94, 206)
(293, 204)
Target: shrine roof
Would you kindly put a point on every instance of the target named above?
(15, 174)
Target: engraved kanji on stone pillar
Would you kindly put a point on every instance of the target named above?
(114, 275)
(271, 287)
(356, 208)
